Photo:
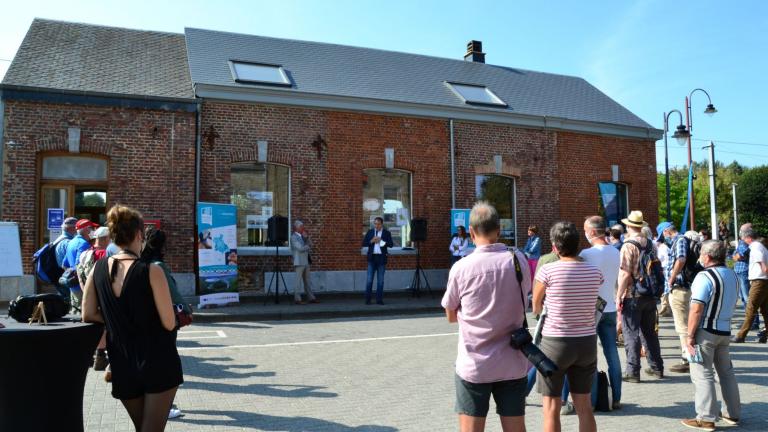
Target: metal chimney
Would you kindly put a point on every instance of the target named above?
(475, 52)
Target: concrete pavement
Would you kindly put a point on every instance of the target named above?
(378, 374)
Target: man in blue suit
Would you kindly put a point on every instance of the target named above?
(378, 240)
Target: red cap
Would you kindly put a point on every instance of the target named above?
(82, 223)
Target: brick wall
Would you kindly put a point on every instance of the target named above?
(327, 192)
(584, 160)
(531, 151)
(151, 170)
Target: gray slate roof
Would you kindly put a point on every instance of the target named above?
(96, 59)
(329, 69)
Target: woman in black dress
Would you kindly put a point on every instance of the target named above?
(132, 298)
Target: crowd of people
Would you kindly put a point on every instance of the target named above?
(604, 292)
(610, 291)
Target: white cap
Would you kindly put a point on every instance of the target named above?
(100, 232)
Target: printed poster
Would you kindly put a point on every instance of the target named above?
(217, 253)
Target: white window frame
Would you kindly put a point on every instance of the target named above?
(270, 250)
(410, 210)
(514, 199)
(626, 198)
(499, 103)
(285, 82)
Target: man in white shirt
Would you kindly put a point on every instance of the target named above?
(758, 284)
(606, 258)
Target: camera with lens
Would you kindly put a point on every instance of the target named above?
(522, 340)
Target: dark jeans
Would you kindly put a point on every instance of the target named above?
(64, 292)
(376, 264)
(606, 331)
(639, 317)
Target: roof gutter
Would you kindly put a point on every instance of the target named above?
(346, 103)
(79, 97)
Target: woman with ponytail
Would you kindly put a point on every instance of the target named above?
(131, 297)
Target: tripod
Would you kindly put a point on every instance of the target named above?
(418, 275)
(277, 275)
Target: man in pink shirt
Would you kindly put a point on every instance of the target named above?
(483, 295)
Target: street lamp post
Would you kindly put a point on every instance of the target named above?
(735, 214)
(710, 110)
(681, 135)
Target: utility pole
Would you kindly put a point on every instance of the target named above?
(712, 192)
(735, 214)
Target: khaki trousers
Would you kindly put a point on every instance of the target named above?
(302, 278)
(757, 301)
(680, 302)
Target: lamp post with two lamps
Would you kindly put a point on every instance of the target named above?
(710, 110)
(681, 135)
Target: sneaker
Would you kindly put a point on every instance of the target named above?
(566, 409)
(762, 337)
(616, 405)
(654, 373)
(100, 363)
(174, 413)
(630, 378)
(682, 367)
(699, 424)
(730, 420)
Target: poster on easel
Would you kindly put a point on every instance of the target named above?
(217, 253)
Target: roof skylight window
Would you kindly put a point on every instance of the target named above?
(259, 73)
(476, 95)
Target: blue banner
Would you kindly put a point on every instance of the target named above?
(217, 252)
(684, 225)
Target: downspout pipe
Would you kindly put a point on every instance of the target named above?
(453, 164)
(198, 147)
(198, 144)
(2, 148)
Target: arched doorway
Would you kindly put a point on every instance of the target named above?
(77, 184)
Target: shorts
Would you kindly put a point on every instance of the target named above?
(575, 357)
(474, 399)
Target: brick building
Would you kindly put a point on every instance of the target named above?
(329, 134)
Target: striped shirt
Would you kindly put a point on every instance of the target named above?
(717, 289)
(571, 296)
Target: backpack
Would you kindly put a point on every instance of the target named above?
(604, 395)
(85, 265)
(651, 281)
(692, 266)
(45, 265)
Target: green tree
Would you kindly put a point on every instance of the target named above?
(724, 176)
(90, 199)
(751, 195)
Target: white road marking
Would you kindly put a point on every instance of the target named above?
(317, 342)
(219, 334)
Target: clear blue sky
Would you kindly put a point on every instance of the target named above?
(647, 55)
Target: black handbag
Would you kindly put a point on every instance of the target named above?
(21, 308)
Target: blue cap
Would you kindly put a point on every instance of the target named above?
(660, 229)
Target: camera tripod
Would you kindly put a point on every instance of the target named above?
(277, 275)
(416, 284)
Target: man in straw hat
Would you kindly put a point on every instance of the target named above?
(638, 312)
